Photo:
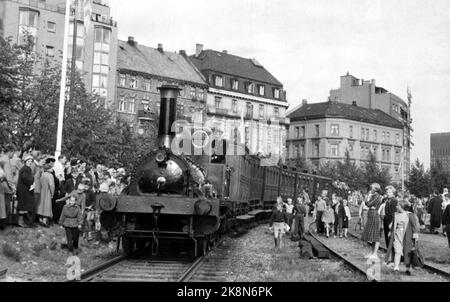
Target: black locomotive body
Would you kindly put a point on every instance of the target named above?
(175, 197)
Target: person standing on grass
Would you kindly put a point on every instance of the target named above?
(389, 210)
(71, 219)
(435, 209)
(45, 209)
(404, 233)
(289, 212)
(446, 218)
(372, 230)
(26, 205)
(363, 210)
(278, 221)
(300, 213)
(319, 209)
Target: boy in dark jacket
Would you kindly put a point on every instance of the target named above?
(71, 219)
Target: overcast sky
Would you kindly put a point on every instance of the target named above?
(308, 45)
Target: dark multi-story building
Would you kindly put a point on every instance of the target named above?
(242, 91)
(141, 70)
(43, 21)
(322, 132)
(440, 149)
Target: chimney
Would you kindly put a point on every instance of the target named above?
(225, 51)
(304, 102)
(160, 48)
(167, 113)
(354, 103)
(198, 49)
(131, 41)
(183, 52)
(373, 81)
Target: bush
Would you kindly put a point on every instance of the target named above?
(11, 252)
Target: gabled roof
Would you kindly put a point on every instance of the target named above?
(346, 111)
(233, 65)
(149, 60)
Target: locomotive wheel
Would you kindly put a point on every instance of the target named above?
(128, 245)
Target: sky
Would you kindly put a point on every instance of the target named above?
(308, 45)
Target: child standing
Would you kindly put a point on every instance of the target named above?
(328, 220)
(71, 219)
(343, 213)
(289, 212)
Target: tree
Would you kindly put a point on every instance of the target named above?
(439, 177)
(419, 183)
(301, 164)
(329, 169)
(350, 173)
(374, 174)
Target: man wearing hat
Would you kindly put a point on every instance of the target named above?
(47, 192)
(26, 206)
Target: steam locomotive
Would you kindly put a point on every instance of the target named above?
(176, 197)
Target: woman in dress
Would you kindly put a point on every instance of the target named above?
(404, 232)
(45, 210)
(372, 230)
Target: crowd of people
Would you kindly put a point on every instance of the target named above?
(396, 217)
(37, 189)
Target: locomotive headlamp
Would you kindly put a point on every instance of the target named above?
(161, 156)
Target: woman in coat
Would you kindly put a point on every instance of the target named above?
(435, 209)
(26, 205)
(47, 190)
(404, 230)
(372, 230)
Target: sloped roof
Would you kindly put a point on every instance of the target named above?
(151, 61)
(340, 110)
(233, 65)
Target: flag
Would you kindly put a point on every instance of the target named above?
(87, 12)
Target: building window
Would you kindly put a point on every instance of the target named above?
(397, 156)
(334, 130)
(317, 130)
(261, 111)
(375, 135)
(234, 106)
(147, 85)
(249, 113)
(218, 81)
(261, 90)
(247, 136)
(28, 24)
(126, 105)
(316, 150)
(102, 37)
(363, 133)
(297, 132)
(367, 134)
(334, 149)
(383, 136)
(350, 130)
(122, 80)
(201, 95)
(397, 139)
(388, 137)
(276, 112)
(276, 93)
(350, 148)
(303, 132)
(50, 51)
(234, 84)
(249, 87)
(217, 101)
(133, 82)
(51, 27)
(296, 152)
(302, 150)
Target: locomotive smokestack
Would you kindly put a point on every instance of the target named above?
(167, 113)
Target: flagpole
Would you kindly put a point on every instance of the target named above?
(62, 92)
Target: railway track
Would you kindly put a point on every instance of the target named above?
(351, 249)
(142, 268)
(347, 260)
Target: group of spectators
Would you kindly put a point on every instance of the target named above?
(37, 189)
(399, 218)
